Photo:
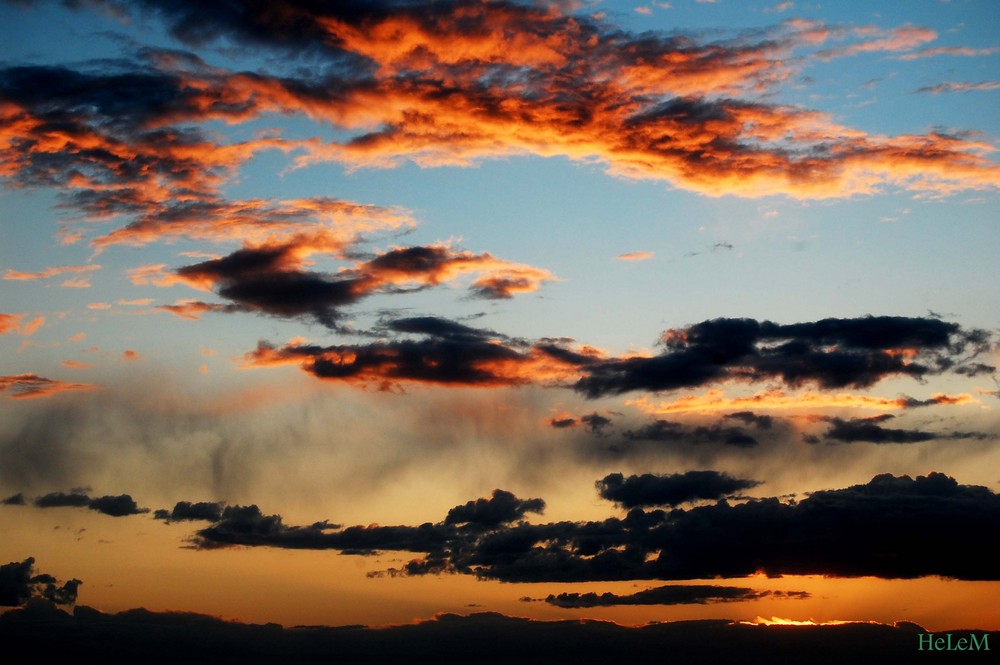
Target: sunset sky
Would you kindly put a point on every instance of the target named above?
(360, 312)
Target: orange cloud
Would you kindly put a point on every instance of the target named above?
(714, 401)
(16, 323)
(130, 355)
(635, 256)
(73, 364)
(47, 273)
(28, 386)
(190, 309)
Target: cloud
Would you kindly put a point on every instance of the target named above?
(14, 500)
(670, 490)
(16, 323)
(959, 86)
(114, 506)
(17, 275)
(694, 594)
(869, 430)
(635, 256)
(716, 400)
(831, 353)
(185, 510)
(502, 508)
(19, 584)
(947, 50)
(520, 80)
(888, 527)
(269, 279)
(447, 354)
(29, 386)
(668, 430)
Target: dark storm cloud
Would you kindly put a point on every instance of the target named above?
(19, 584)
(115, 506)
(186, 510)
(694, 594)
(831, 353)
(890, 527)
(488, 638)
(871, 431)
(670, 490)
(502, 508)
(668, 430)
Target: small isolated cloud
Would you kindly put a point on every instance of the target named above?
(130, 355)
(635, 256)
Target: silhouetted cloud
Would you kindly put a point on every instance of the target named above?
(889, 528)
(694, 594)
(19, 584)
(831, 353)
(670, 490)
(186, 510)
(869, 430)
(502, 508)
(115, 506)
(14, 500)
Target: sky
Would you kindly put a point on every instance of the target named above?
(365, 312)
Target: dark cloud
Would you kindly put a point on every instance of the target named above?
(694, 594)
(186, 510)
(667, 430)
(19, 584)
(492, 639)
(270, 280)
(502, 508)
(832, 353)
(869, 430)
(891, 527)
(115, 506)
(595, 422)
(562, 423)
(670, 490)
(449, 354)
(14, 500)
(751, 418)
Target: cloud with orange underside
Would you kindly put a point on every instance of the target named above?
(716, 401)
(29, 386)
